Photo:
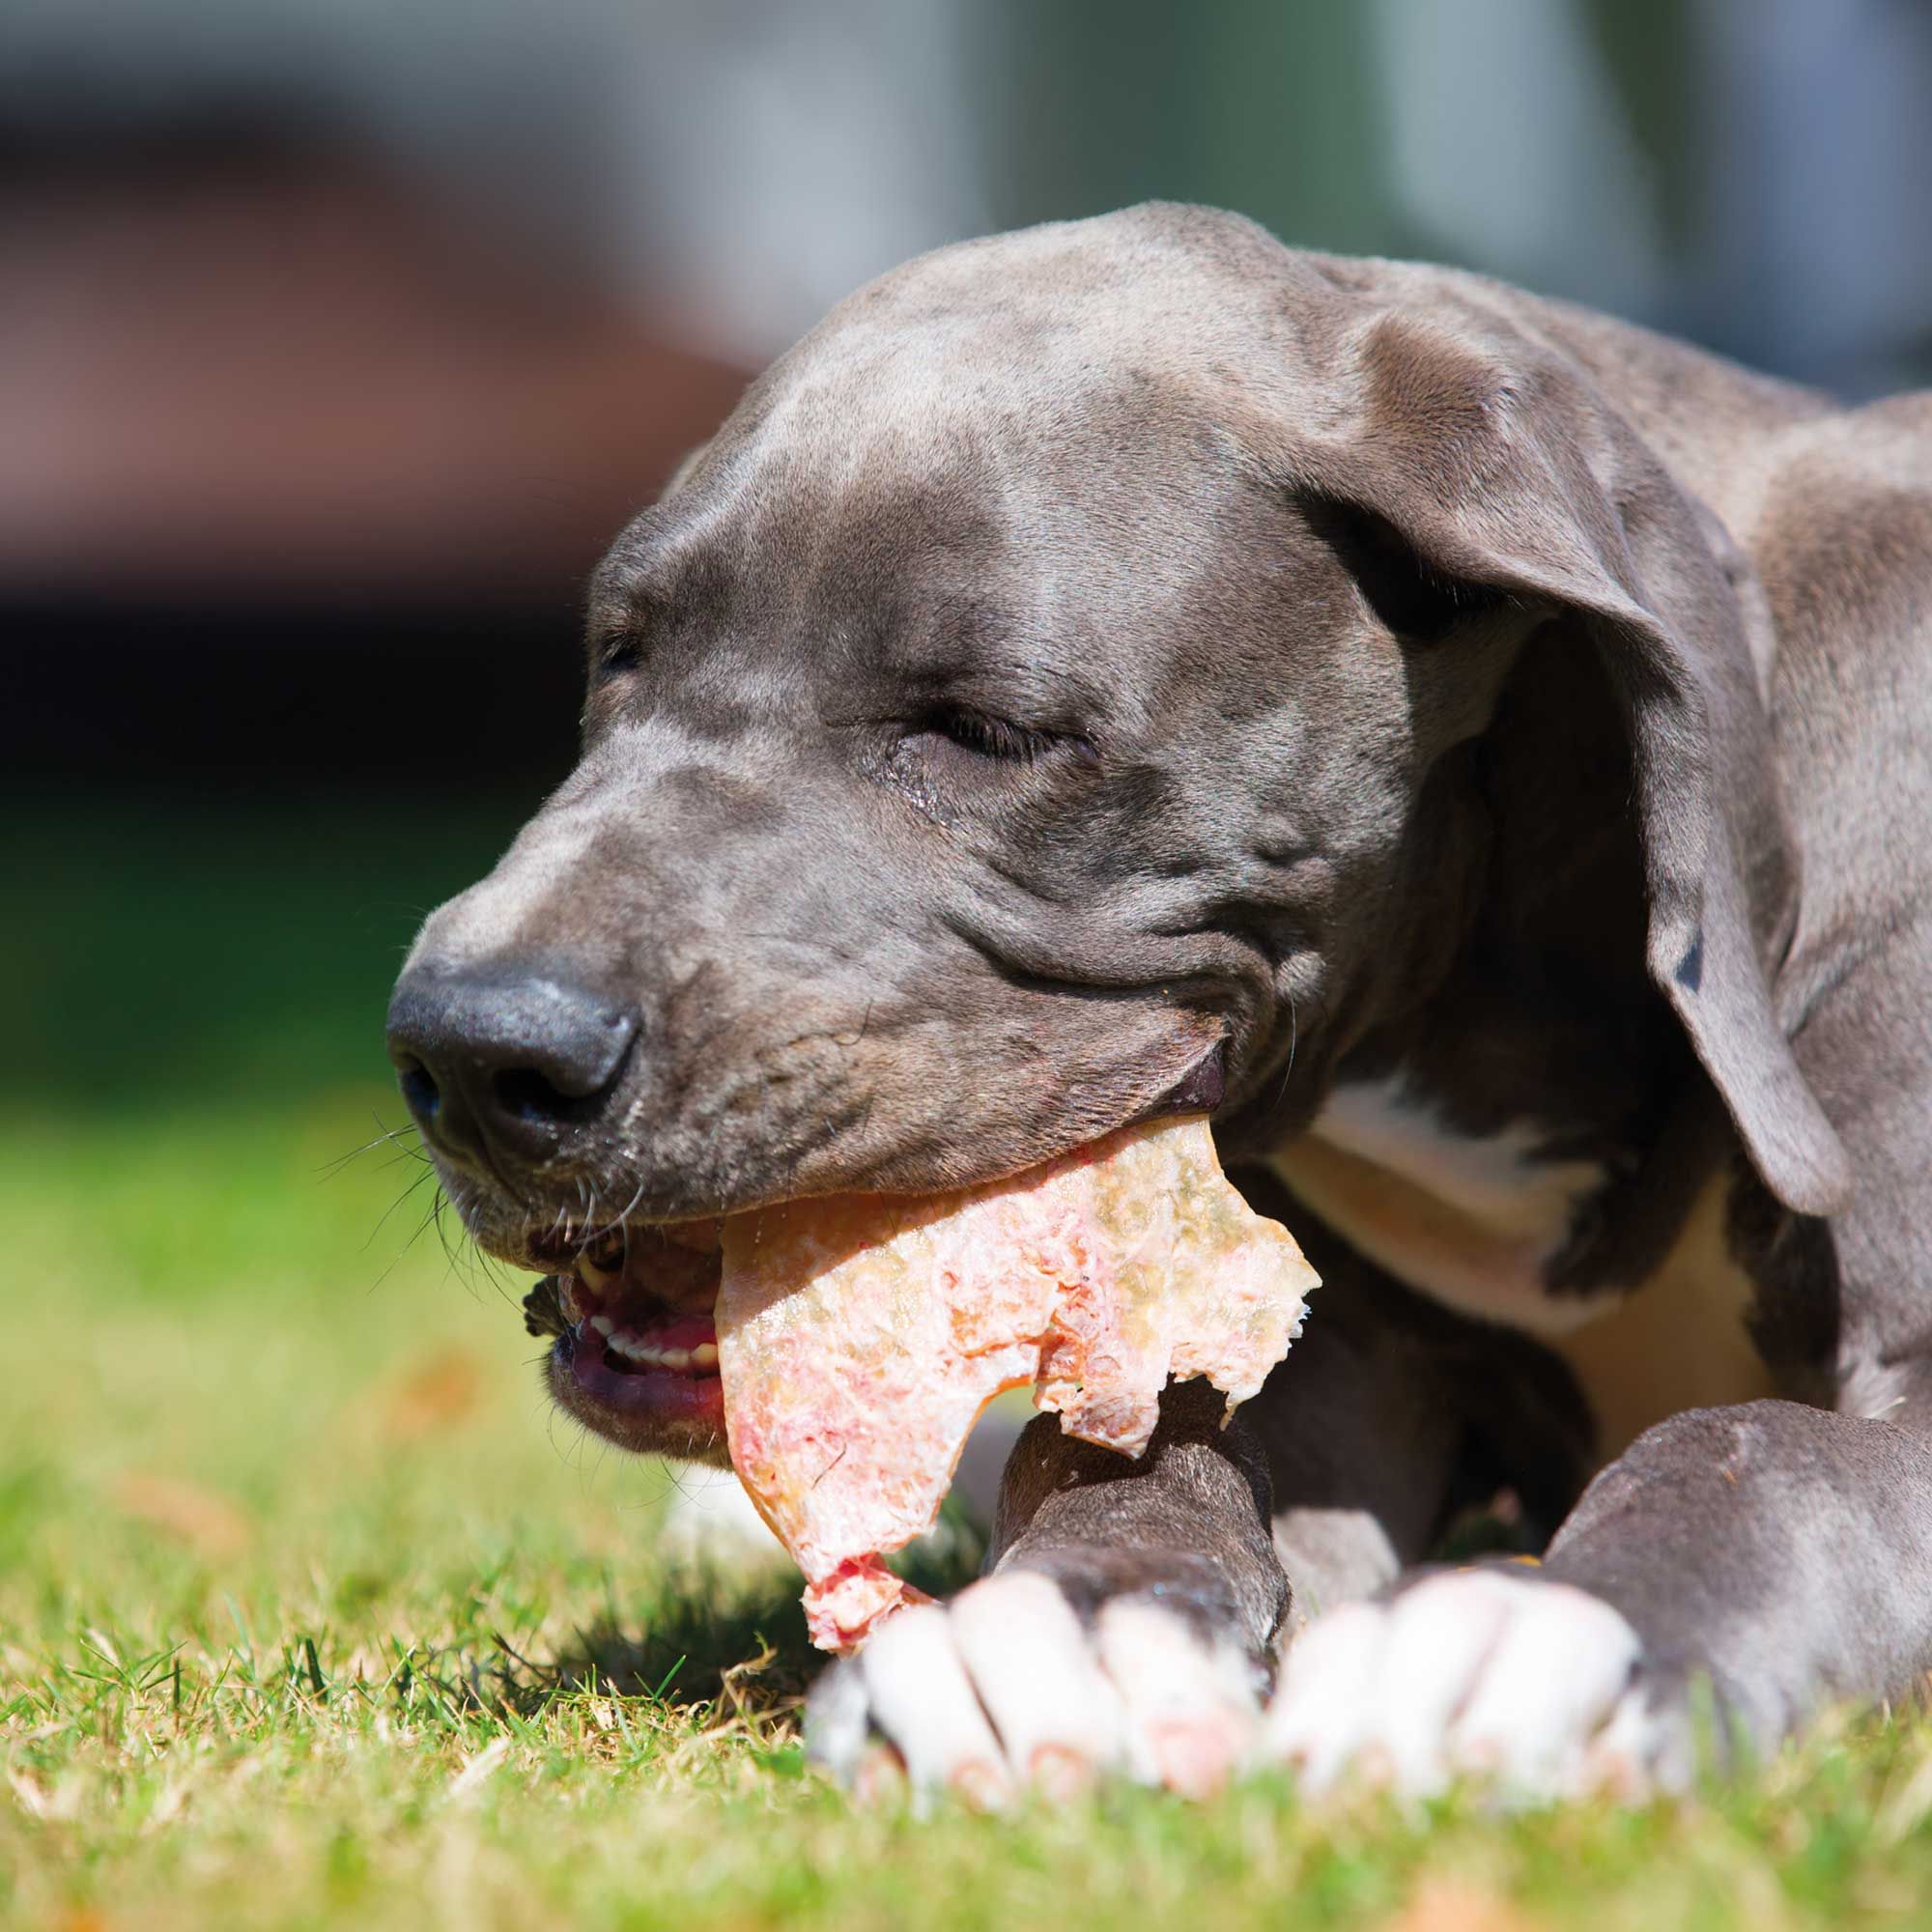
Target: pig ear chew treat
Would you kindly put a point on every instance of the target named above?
(859, 1335)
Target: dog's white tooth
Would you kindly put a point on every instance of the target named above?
(676, 1358)
(704, 1357)
(603, 1325)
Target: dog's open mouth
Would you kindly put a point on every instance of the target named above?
(634, 1318)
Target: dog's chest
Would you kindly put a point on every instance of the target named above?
(1473, 1222)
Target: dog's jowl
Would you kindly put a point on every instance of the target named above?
(1479, 750)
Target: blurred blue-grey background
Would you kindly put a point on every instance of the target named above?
(337, 336)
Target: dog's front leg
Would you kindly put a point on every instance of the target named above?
(1784, 1553)
(1126, 1623)
(1777, 1554)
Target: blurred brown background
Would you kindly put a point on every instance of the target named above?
(336, 339)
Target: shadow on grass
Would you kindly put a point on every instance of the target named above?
(726, 1635)
(708, 1636)
(738, 1634)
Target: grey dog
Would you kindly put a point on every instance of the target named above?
(1480, 751)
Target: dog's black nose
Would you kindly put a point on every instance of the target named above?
(496, 1061)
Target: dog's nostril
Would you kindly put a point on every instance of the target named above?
(525, 1094)
(420, 1092)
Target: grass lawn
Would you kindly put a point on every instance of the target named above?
(311, 1615)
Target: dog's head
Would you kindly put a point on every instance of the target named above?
(1044, 703)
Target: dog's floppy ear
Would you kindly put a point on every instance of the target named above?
(1502, 468)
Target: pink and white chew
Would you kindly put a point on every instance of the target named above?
(859, 1336)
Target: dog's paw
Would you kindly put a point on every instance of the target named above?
(1005, 1687)
(1533, 1685)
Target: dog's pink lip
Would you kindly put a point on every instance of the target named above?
(647, 1394)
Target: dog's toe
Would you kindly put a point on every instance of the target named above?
(1531, 1684)
(1191, 1704)
(1059, 1713)
(1006, 1687)
(1561, 1662)
(922, 1698)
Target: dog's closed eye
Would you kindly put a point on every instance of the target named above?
(956, 757)
(991, 736)
(997, 738)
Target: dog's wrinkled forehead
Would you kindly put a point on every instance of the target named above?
(935, 495)
(866, 457)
